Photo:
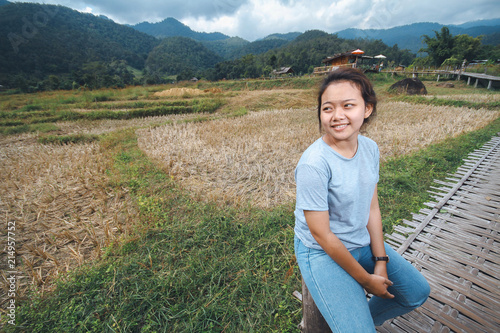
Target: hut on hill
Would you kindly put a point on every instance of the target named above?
(283, 71)
(352, 58)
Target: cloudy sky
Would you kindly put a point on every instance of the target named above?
(253, 19)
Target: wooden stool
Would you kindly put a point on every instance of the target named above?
(312, 319)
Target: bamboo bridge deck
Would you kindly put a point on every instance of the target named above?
(456, 245)
(477, 77)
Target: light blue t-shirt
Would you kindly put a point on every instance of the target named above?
(327, 181)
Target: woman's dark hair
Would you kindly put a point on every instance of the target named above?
(359, 80)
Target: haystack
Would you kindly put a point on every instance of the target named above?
(179, 92)
(409, 86)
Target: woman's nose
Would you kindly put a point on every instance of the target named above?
(338, 113)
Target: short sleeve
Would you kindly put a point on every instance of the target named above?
(312, 188)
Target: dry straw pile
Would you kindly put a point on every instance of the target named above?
(179, 92)
(251, 159)
(63, 208)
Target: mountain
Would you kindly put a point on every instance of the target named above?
(406, 36)
(180, 55)
(226, 47)
(40, 40)
(223, 45)
(258, 47)
(409, 36)
(479, 23)
(170, 27)
(486, 31)
(66, 39)
(288, 36)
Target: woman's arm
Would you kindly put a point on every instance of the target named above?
(319, 225)
(376, 235)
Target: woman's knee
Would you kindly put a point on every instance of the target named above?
(417, 293)
(422, 294)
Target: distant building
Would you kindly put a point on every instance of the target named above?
(283, 71)
(478, 62)
(346, 59)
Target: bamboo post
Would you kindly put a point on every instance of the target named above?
(312, 320)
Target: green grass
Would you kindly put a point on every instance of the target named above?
(404, 181)
(67, 139)
(447, 102)
(25, 128)
(197, 267)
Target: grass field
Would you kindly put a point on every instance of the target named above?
(168, 209)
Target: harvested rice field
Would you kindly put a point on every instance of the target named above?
(63, 208)
(229, 147)
(252, 158)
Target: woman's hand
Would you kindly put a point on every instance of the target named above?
(377, 285)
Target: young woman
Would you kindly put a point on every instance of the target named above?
(338, 228)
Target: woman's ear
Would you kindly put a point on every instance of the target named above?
(368, 110)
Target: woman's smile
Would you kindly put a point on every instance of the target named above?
(340, 127)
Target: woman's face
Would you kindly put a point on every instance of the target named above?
(343, 111)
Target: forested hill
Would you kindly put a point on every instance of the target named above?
(36, 40)
(288, 36)
(223, 45)
(409, 36)
(179, 56)
(303, 54)
(170, 27)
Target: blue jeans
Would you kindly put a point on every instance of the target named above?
(341, 299)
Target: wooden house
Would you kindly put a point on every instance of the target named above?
(283, 71)
(347, 59)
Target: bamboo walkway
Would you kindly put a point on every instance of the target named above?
(456, 245)
(458, 73)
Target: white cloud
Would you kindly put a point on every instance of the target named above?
(252, 19)
(87, 10)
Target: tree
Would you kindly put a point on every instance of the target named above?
(439, 48)
(272, 61)
(466, 47)
(445, 47)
